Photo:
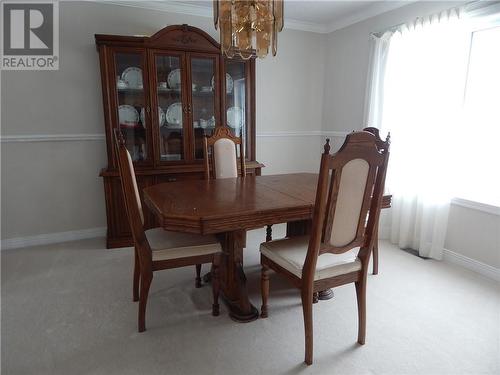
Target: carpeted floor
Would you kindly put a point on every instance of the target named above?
(67, 309)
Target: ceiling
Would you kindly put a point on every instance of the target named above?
(321, 16)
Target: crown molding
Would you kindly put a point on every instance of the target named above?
(320, 28)
(206, 12)
(373, 10)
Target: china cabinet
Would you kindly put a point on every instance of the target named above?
(165, 93)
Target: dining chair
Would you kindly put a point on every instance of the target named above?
(386, 201)
(157, 249)
(337, 251)
(221, 154)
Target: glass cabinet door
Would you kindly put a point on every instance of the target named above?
(235, 99)
(131, 102)
(171, 108)
(204, 107)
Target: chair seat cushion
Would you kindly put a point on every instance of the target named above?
(290, 253)
(168, 245)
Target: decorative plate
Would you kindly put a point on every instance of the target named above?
(174, 114)
(161, 117)
(234, 117)
(127, 116)
(229, 83)
(174, 79)
(133, 76)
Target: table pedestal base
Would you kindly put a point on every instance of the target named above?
(233, 278)
(326, 294)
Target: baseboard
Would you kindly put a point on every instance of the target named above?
(471, 264)
(50, 238)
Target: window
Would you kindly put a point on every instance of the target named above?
(481, 120)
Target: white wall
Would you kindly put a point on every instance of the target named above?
(471, 233)
(54, 186)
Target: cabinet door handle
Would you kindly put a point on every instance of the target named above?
(189, 108)
(185, 110)
(148, 110)
(172, 179)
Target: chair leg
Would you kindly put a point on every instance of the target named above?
(215, 285)
(269, 233)
(307, 299)
(197, 283)
(375, 253)
(361, 298)
(137, 275)
(375, 259)
(264, 285)
(143, 300)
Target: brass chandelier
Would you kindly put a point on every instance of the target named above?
(248, 27)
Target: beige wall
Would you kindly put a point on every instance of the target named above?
(472, 233)
(52, 187)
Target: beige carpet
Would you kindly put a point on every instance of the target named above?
(67, 309)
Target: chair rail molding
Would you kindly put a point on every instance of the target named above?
(301, 133)
(101, 137)
(51, 137)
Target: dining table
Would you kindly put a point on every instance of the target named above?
(229, 207)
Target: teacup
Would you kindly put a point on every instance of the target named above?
(121, 84)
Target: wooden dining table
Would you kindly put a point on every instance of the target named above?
(230, 207)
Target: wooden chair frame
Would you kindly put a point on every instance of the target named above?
(222, 132)
(358, 145)
(386, 199)
(144, 265)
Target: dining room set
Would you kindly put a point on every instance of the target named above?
(183, 186)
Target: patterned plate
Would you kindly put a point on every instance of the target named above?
(234, 117)
(127, 116)
(161, 117)
(133, 77)
(174, 114)
(229, 83)
(174, 79)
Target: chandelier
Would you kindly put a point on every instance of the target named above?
(248, 27)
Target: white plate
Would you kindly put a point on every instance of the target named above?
(229, 83)
(133, 76)
(161, 117)
(127, 116)
(174, 79)
(234, 117)
(174, 115)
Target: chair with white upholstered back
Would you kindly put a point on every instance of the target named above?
(337, 251)
(221, 154)
(157, 249)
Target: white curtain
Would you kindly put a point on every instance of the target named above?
(420, 104)
(376, 75)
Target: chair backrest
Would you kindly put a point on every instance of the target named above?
(221, 154)
(131, 196)
(348, 197)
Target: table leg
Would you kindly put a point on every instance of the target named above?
(298, 228)
(233, 278)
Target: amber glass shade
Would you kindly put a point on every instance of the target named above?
(248, 27)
